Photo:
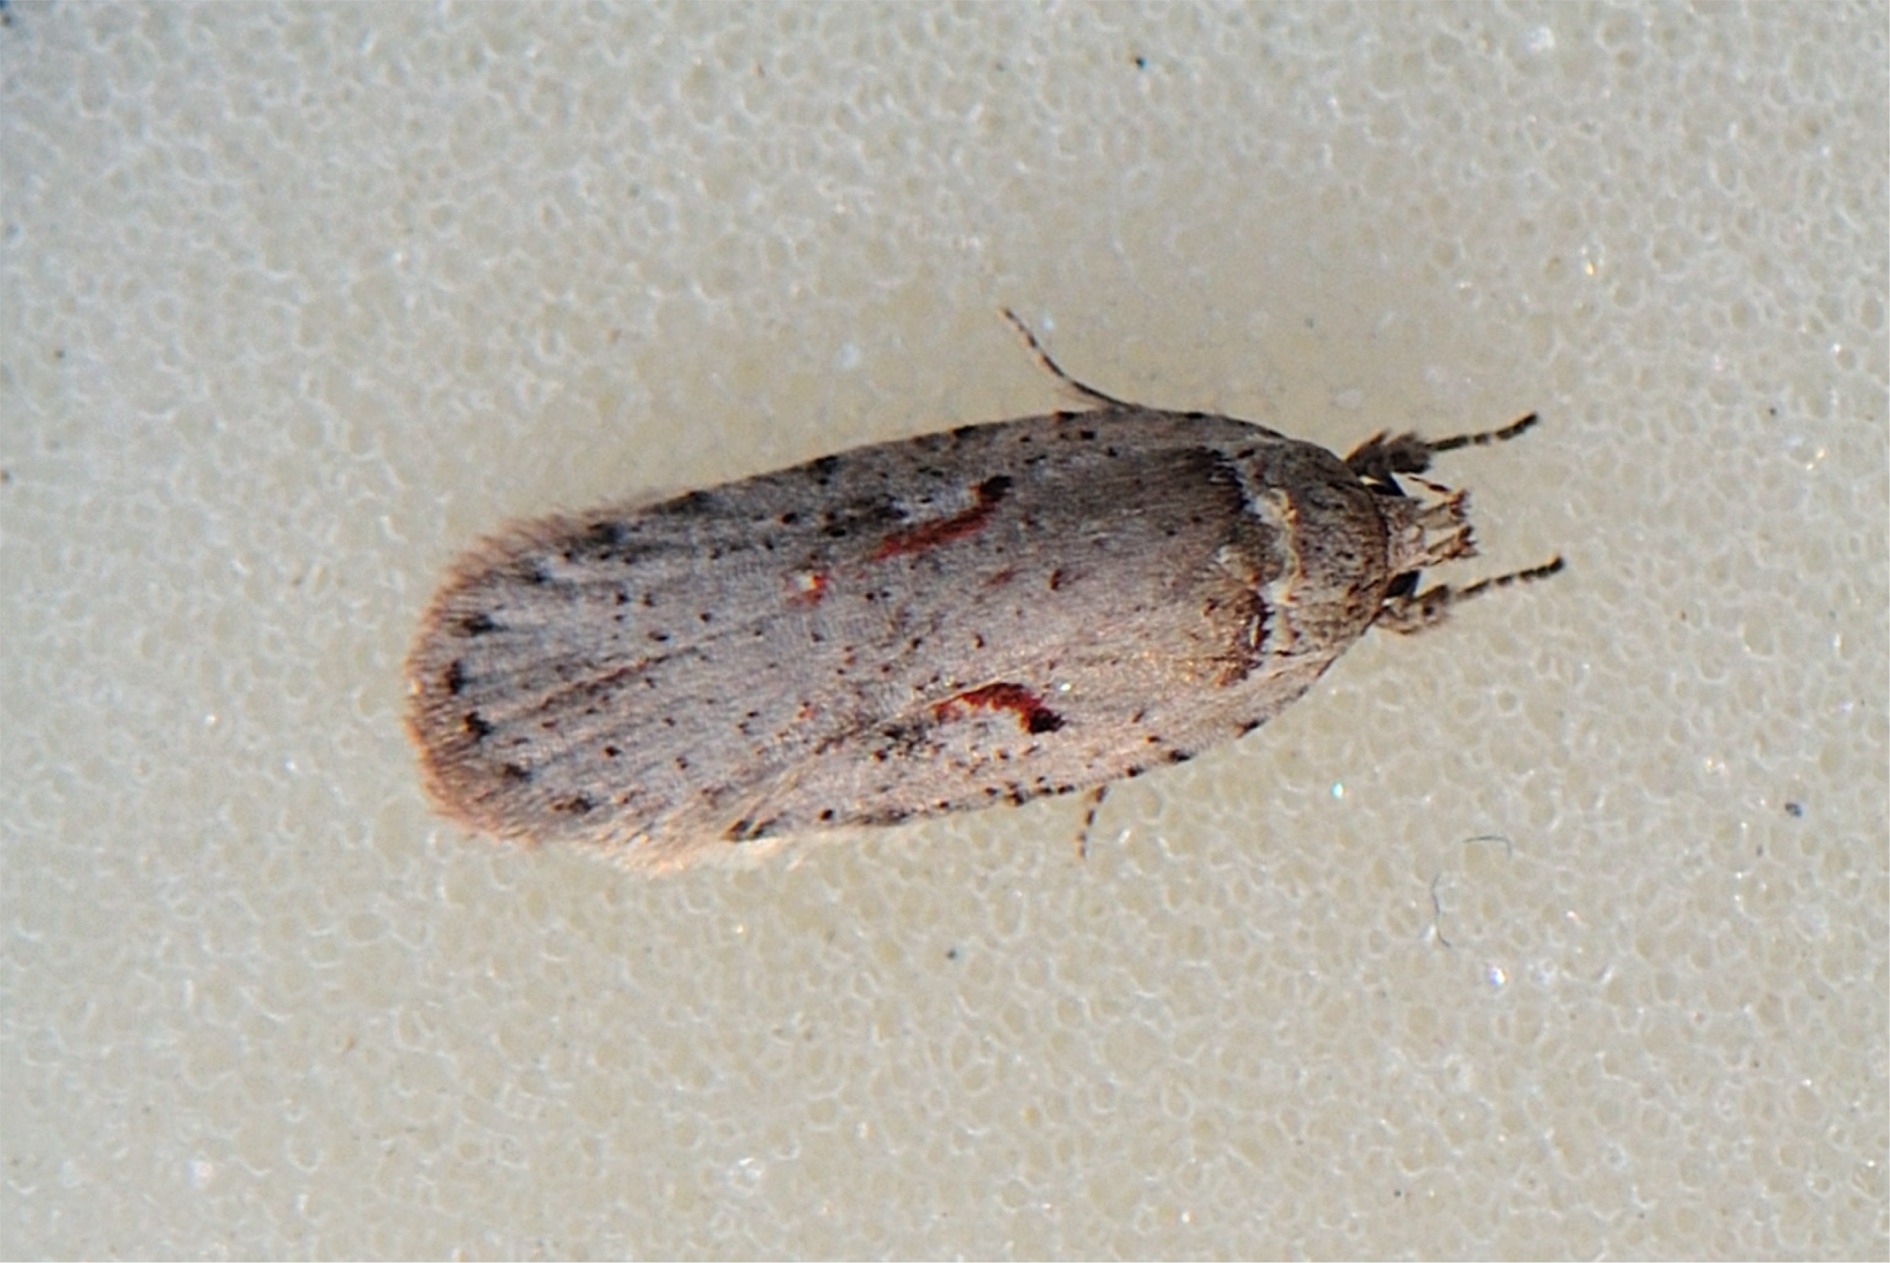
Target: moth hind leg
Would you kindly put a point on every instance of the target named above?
(1095, 800)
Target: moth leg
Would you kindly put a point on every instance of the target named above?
(1410, 612)
(1056, 370)
(1382, 455)
(1095, 798)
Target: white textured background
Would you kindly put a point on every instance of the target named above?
(1560, 931)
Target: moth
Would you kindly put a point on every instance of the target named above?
(936, 624)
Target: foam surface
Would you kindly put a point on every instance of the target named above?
(1559, 931)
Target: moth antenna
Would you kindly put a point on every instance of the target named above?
(1056, 370)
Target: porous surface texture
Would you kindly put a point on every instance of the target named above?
(1557, 931)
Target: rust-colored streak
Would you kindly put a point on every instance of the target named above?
(1032, 715)
(985, 498)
